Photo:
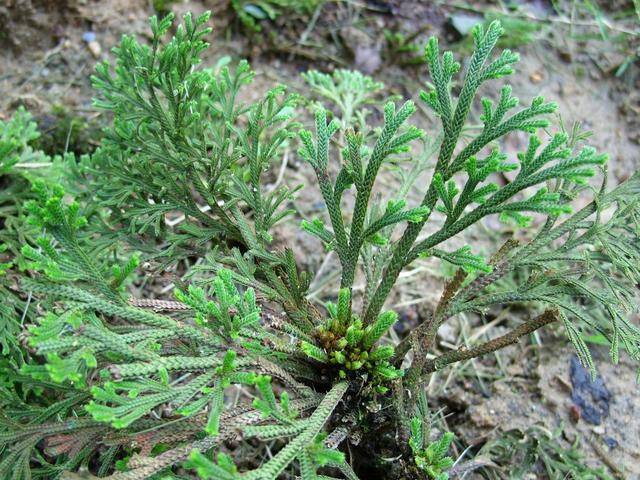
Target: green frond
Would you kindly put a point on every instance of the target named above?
(374, 332)
(463, 258)
(273, 468)
(223, 469)
(432, 459)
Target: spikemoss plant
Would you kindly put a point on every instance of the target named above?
(146, 385)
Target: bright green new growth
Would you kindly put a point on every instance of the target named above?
(347, 344)
(432, 458)
(182, 175)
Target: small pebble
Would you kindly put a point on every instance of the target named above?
(611, 442)
(88, 37)
(536, 77)
(95, 49)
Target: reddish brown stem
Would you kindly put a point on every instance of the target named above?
(548, 316)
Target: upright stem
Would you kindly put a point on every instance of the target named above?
(398, 260)
(452, 129)
(393, 121)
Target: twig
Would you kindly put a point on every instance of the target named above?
(612, 464)
(283, 168)
(548, 316)
(158, 305)
(33, 165)
(310, 27)
(423, 336)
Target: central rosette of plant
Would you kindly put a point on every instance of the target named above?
(345, 342)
